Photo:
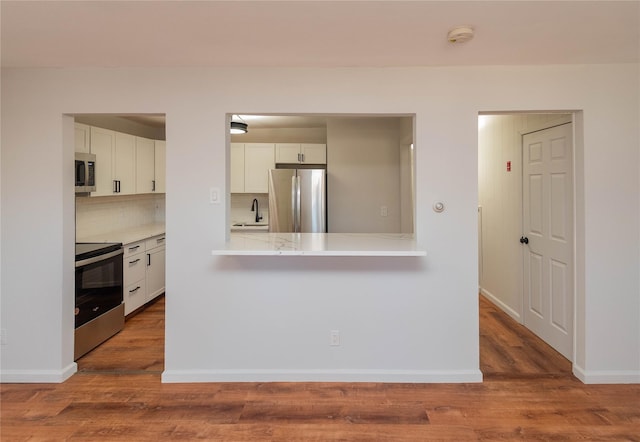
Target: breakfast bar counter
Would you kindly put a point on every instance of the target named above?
(318, 244)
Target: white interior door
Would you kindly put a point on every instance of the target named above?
(548, 236)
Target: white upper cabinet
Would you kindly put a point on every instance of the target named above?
(82, 138)
(314, 153)
(259, 158)
(305, 153)
(125, 164)
(287, 153)
(237, 167)
(160, 166)
(145, 165)
(250, 164)
(103, 143)
(115, 162)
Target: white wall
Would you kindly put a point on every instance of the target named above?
(401, 319)
(363, 174)
(500, 195)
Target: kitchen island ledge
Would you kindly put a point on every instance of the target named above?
(319, 244)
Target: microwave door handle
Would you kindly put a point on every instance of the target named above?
(80, 174)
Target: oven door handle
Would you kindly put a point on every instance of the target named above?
(98, 258)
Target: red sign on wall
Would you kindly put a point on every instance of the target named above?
(508, 166)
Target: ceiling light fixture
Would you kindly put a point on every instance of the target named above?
(460, 34)
(238, 127)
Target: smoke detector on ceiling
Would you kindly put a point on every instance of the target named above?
(460, 34)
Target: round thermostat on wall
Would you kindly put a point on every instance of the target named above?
(438, 207)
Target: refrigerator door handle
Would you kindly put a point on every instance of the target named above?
(296, 206)
(293, 203)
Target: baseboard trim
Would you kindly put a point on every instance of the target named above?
(38, 376)
(386, 376)
(607, 376)
(504, 307)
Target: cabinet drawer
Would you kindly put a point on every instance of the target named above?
(154, 242)
(135, 295)
(133, 248)
(134, 268)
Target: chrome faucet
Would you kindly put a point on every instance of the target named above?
(254, 207)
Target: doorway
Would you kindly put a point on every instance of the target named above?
(127, 206)
(528, 297)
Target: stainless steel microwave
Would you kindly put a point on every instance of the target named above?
(85, 172)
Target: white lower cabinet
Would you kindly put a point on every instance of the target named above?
(155, 267)
(143, 272)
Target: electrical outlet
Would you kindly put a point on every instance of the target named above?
(3, 337)
(334, 338)
(384, 211)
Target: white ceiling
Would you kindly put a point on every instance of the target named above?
(315, 33)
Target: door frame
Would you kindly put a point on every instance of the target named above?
(515, 311)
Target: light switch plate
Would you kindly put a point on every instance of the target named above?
(334, 338)
(214, 195)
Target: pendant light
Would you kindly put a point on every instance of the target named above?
(238, 127)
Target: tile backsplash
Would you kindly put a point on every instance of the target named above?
(97, 215)
(241, 207)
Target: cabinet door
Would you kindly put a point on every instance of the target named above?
(287, 153)
(82, 138)
(160, 165)
(258, 159)
(124, 163)
(237, 167)
(155, 272)
(145, 165)
(102, 146)
(314, 153)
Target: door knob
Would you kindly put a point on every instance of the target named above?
(524, 240)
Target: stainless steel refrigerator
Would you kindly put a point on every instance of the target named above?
(298, 200)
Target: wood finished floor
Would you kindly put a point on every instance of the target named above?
(528, 394)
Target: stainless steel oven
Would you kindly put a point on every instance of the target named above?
(99, 310)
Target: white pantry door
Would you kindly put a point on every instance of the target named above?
(548, 236)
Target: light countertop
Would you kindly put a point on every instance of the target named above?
(319, 244)
(126, 236)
